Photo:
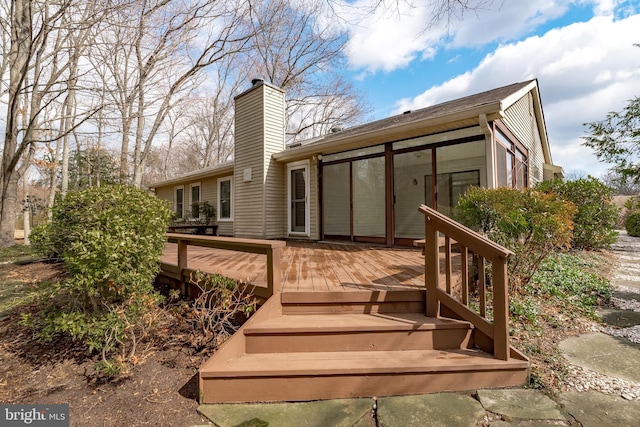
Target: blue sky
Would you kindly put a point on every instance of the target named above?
(581, 52)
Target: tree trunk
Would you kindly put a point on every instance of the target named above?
(19, 52)
(8, 207)
(26, 217)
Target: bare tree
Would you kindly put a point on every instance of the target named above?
(440, 11)
(40, 33)
(298, 52)
(156, 53)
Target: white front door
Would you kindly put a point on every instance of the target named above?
(298, 185)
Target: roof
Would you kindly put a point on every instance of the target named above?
(456, 114)
(220, 169)
(472, 102)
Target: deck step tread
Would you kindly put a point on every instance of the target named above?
(355, 296)
(355, 362)
(356, 322)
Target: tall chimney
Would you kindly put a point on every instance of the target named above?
(258, 178)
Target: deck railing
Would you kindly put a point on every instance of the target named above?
(495, 332)
(271, 248)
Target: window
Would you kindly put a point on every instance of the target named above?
(511, 163)
(195, 200)
(178, 201)
(225, 199)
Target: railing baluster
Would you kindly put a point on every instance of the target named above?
(447, 262)
(482, 286)
(464, 262)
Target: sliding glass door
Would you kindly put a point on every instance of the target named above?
(412, 188)
(353, 200)
(359, 204)
(368, 198)
(336, 200)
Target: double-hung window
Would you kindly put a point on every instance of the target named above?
(195, 200)
(225, 199)
(178, 201)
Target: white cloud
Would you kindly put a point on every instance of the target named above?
(387, 39)
(392, 38)
(584, 70)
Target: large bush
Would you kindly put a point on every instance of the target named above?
(109, 240)
(633, 224)
(530, 223)
(596, 216)
(632, 204)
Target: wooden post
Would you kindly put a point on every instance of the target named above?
(500, 309)
(431, 267)
(274, 274)
(182, 264)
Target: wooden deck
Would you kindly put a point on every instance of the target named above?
(317, 267)
(352, 320)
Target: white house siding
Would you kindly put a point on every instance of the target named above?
(274, 178)
(249, 195)
(520, 119)
(166, 193)
(259, 133)
(208, 193)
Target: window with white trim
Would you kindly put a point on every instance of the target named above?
(178, 201)
(194, 190)
(225, 199)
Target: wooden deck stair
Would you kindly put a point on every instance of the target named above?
(310, 346)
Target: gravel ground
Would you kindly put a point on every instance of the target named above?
(627, 251)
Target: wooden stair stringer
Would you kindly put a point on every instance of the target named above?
(235, 346)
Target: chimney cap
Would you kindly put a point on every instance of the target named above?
(256, 81)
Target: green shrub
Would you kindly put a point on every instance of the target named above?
(633, 224)
(530, 223)
(109, 240)
(596, 216)
(632, 204)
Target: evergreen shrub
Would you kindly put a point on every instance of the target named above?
(632, 224)
(109, 240)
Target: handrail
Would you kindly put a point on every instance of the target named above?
(271, 248)
(485, 250)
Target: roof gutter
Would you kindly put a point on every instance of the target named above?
(202, 173)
